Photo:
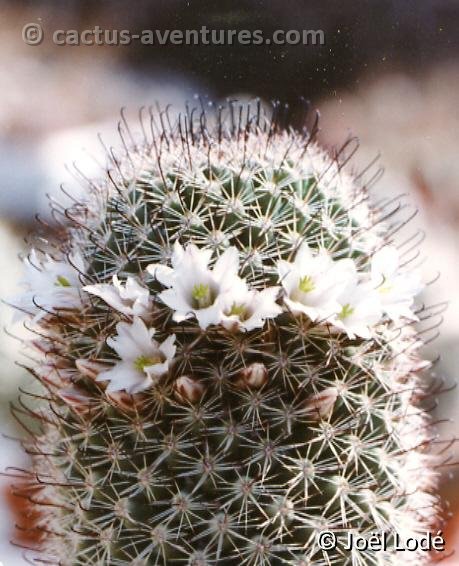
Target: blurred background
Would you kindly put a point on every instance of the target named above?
(388, 72)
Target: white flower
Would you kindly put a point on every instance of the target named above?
(359, 309)
(194, 289)
(246, 309)
(313, 281)
(131, 298)
(143, 360)
(50, 284)
(330, 291)
(396, 290)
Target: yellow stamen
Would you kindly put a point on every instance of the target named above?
(202, 296)
(346, 312)
(62, 281)
(144, 361)
(237, 310)
(306, 284)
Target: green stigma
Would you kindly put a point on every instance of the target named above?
(346, 311)
(202, 296)
(62, 281)
(306, 284)
(237, 310)
(142, 362)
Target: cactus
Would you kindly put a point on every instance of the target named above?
(226, 345)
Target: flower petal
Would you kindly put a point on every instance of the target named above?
(107, 293)
(227, 264)
(163, 273)
(385, 262)
(168, 347)
(208, 316)
(132, 340)
(157, 370)
(174, 301)
(124, 376)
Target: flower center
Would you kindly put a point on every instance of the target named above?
(346, 312)
(202, 296)
(62, 281)
(142, 362)
(238, 310)
(306, 284)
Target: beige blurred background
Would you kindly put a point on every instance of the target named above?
(388, 72)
